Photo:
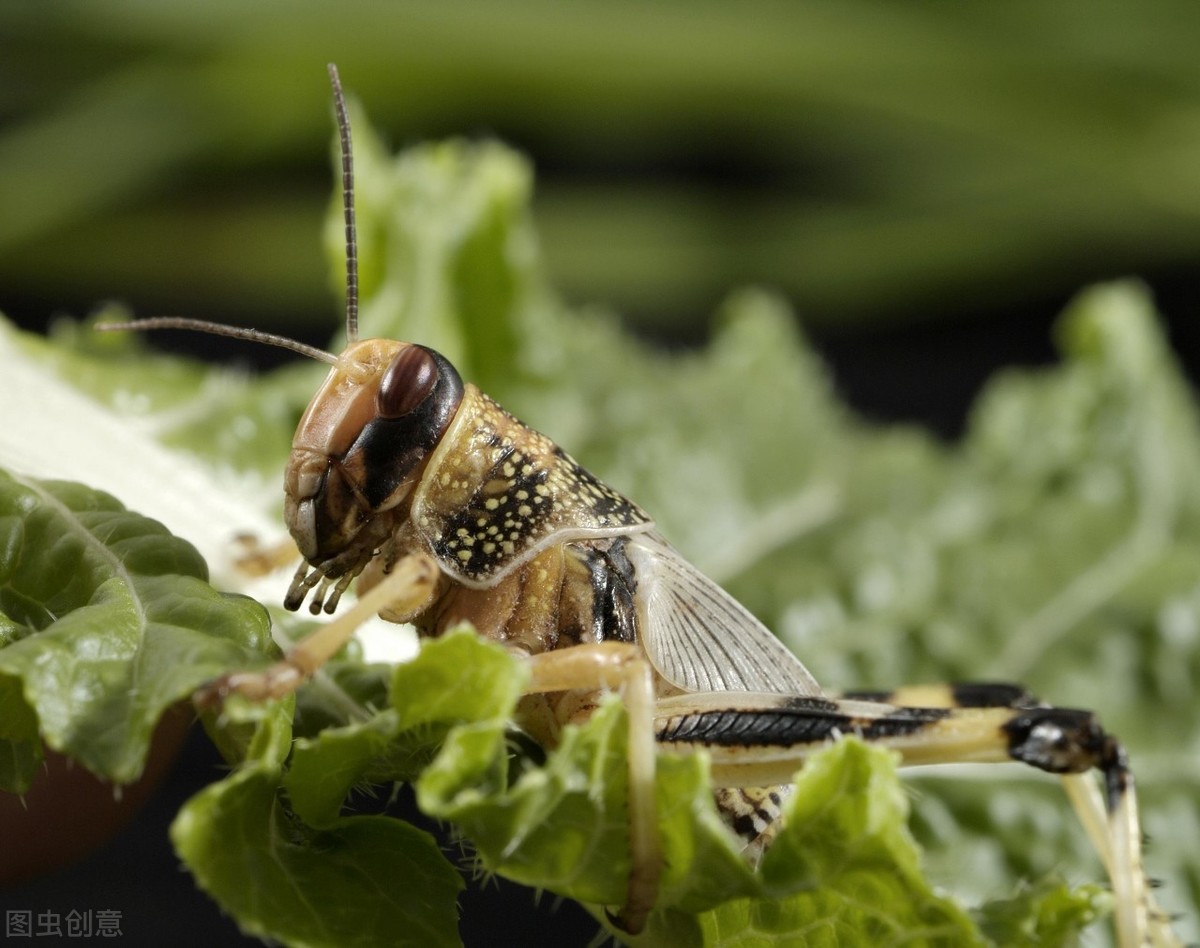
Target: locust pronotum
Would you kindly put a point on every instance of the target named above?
(446, 508)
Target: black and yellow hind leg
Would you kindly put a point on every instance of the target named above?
(758, 740)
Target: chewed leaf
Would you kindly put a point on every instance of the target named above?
(361, 881)
(110, 621)
(458, 679)
(846, 835)
(564, 825)
(842, 871)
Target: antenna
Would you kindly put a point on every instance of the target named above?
(270, 339)
(343, 121)
(218, 329)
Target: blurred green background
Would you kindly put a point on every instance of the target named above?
(880, 164)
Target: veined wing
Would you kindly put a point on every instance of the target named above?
(699, 637)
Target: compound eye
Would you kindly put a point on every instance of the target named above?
(407, 382)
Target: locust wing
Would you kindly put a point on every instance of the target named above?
(699, 637)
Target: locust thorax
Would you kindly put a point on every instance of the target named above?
(361, 447)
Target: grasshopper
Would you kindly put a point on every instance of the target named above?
(444, 508)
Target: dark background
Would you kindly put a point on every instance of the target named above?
(928, 186)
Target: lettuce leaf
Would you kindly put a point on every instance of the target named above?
(354, 881)
(106, 621)
(1058, 543)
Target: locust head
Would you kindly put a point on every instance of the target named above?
(361, 446)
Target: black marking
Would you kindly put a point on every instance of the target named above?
(612, 582)
(802, 705)
(1066, 740)
(752, 728)
(614, 595)
(787, 726)
(899, 722)
(495, 524)
(1117, 776)
(598, 580)
(991, 694)
(604, 503)
(743, 824)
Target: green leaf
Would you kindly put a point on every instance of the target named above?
(1044, 914)
(453, 680)
(20, 743)
(359, 881)
(845, 834)
(113, 622)
(703, 863)
(562, 826)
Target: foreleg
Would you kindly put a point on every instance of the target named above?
(408, 589)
